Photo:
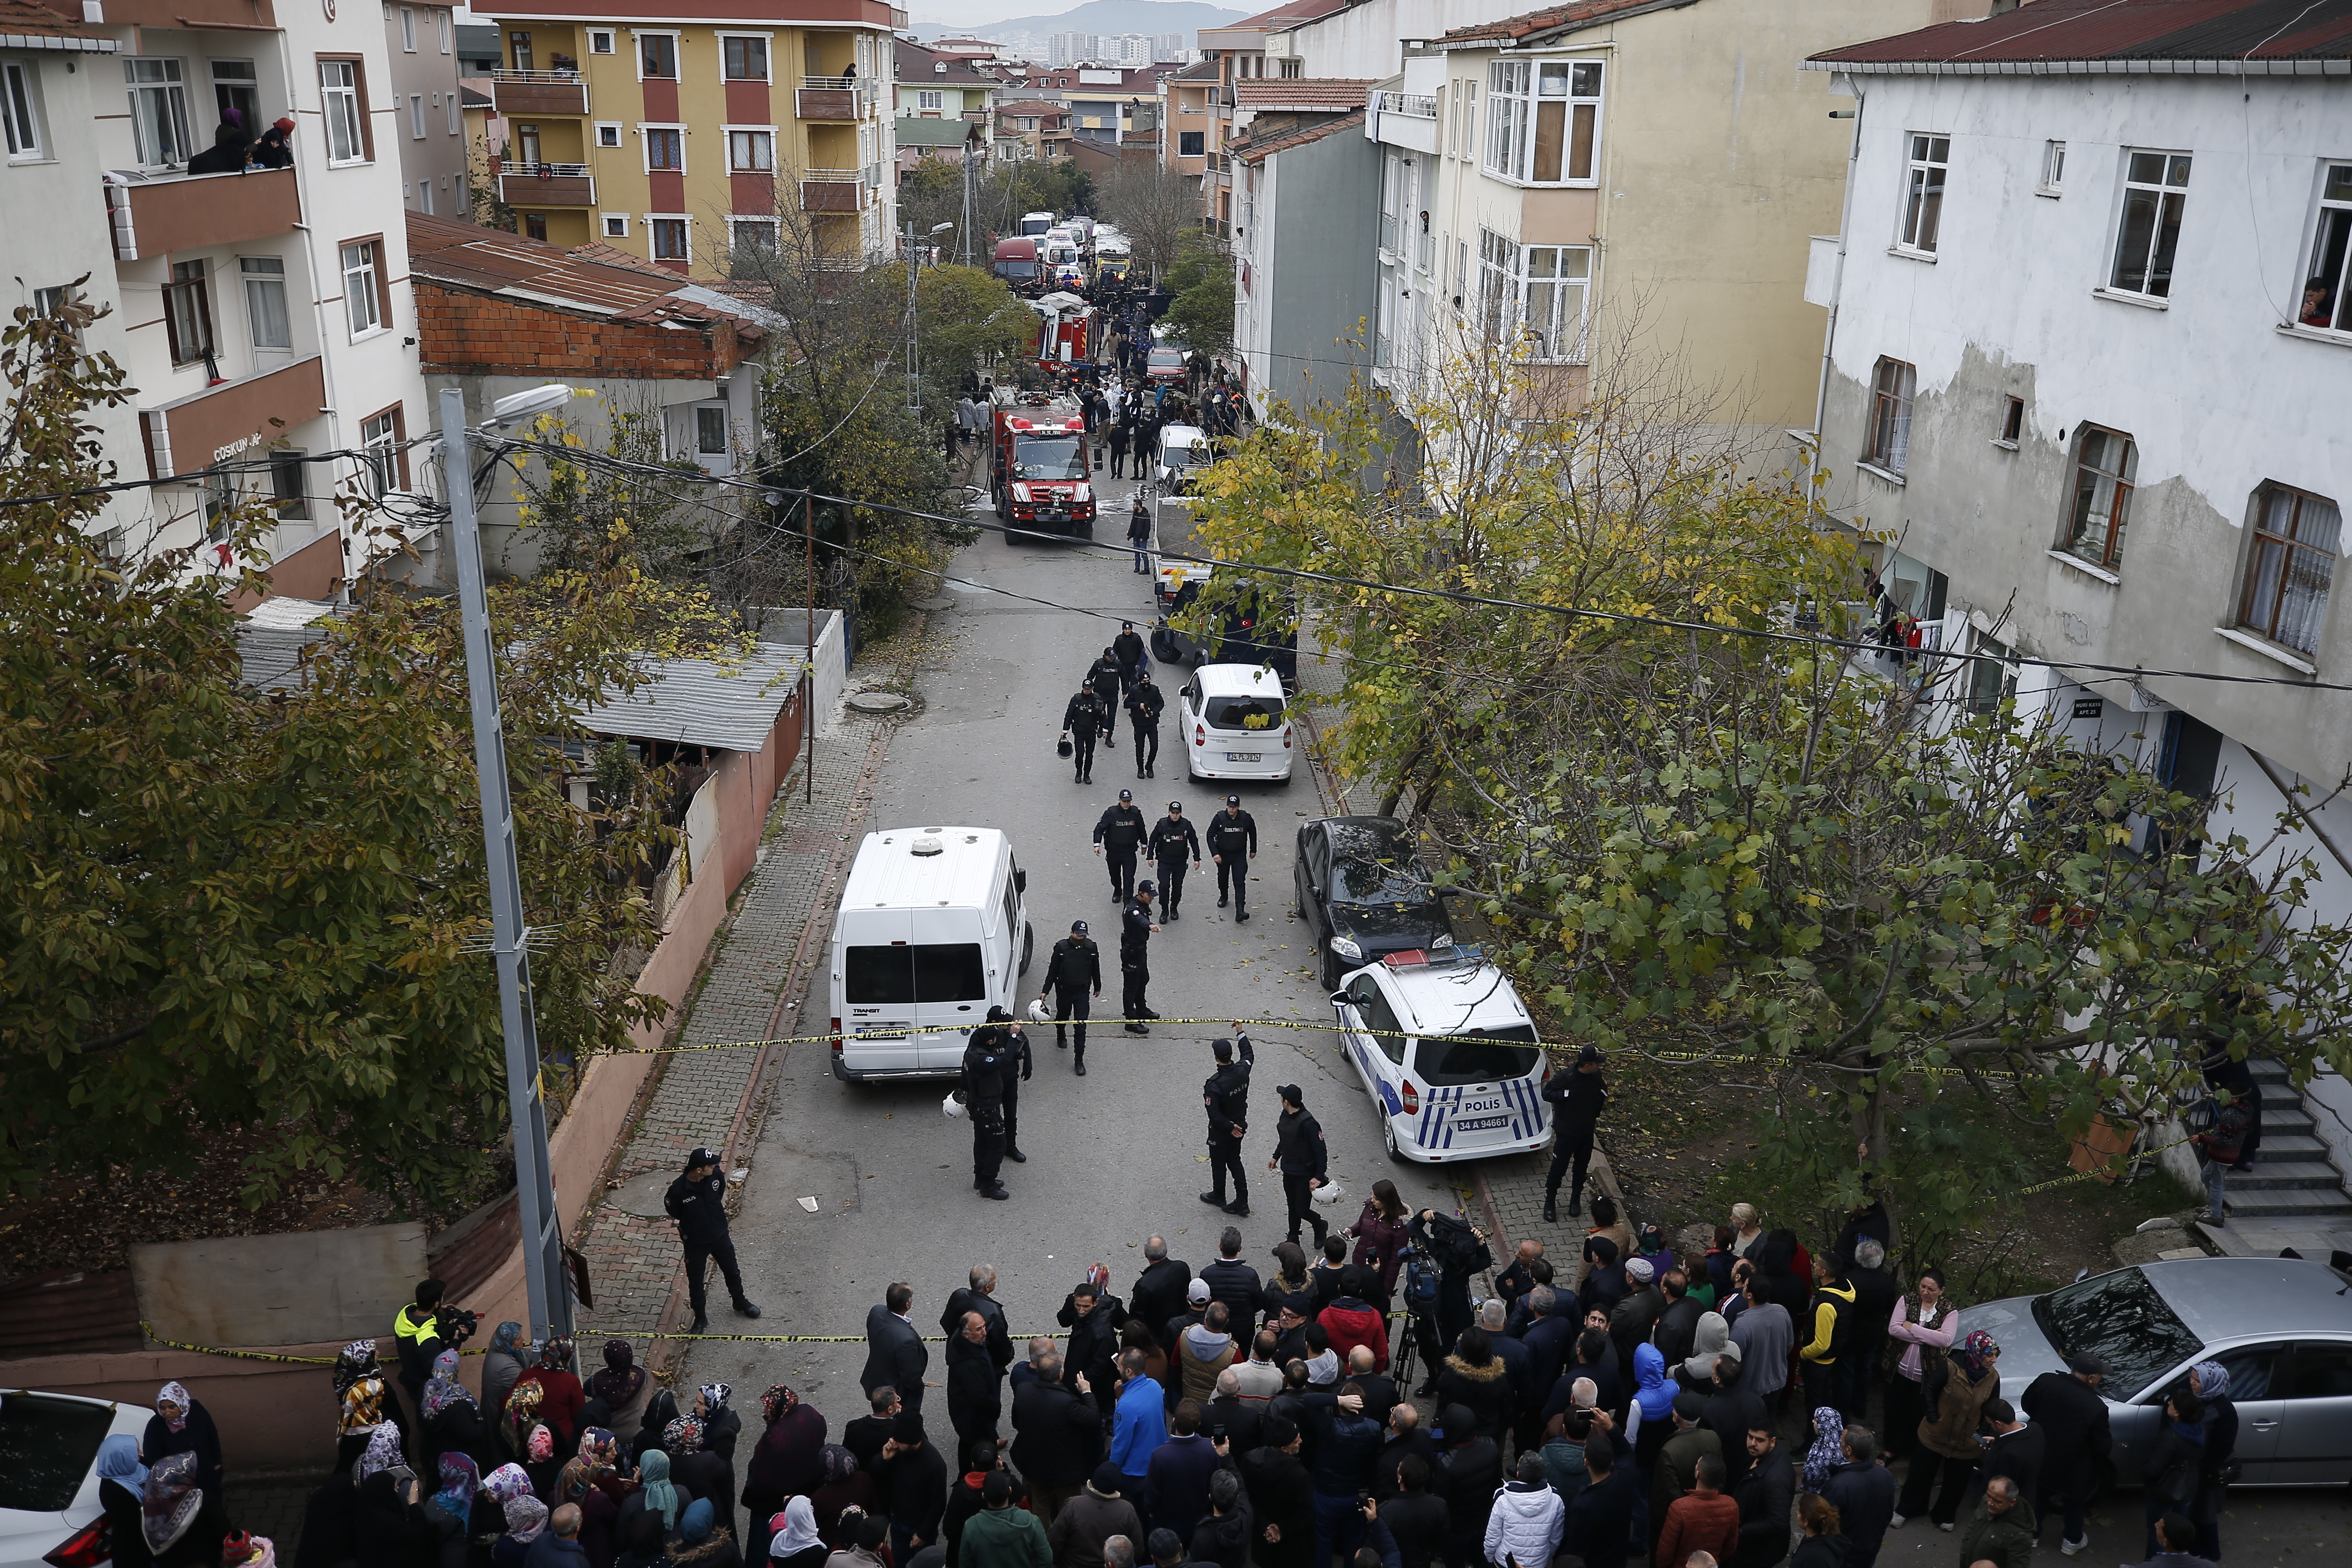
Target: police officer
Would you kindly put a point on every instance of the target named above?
(1226, 1096)
(1018, 1065)
(697, 1202)
(1119, 832)
(984, 1098)
(1080, 720)
(1578, 1096)
(1233, 845)
(1128, 648)
(1136, 927)
(1144, 705)
(1298, 1151)
(1103, 676)
(1072, 977)
(1172, 842)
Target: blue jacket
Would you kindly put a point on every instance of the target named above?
(1139, 1427)
(551, 1550)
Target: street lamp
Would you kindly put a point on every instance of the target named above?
(542, 1233)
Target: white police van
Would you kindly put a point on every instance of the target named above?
(1448, 1054)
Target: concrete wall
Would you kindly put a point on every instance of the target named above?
(275, 1290)
(1321, 283)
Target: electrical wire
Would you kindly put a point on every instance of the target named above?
(238, 466)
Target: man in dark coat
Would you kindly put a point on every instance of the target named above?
(1056, 1435)
(1300, 1155)
(983, 1085)
(1158, 1292)
(1863, 1491)
(1145, 703)
(1875, 1294)
(895, 1355)
(975, 1389)
(697, 1202)
(914, 1481)
(1408, 1438)
(1468, 1480)
(1019, 1064)
(1084, 717)
(1093, 1315)
(1128, 648)
(1235, 1283)
(1072, 979)
(980, 1295)
(2073, 1418)
(1174, 848)
(1224, 1097)
(1119, 832)
(1764, 1496)
(1598, 1525)
(1678, 1327)
(1136, 927)
(1578, 1096)
(1282, 1496)
(1233, 844)
(1731, 1413)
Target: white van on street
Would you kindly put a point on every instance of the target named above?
(933, 931)
(1234, 724)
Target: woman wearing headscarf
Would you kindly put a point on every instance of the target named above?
(622, 1385)
(1922, 1323)
(181, 1426)
(590, 1484)
(359, 1386)
(643, 1544)
(383, 1453)
(792, 1538)
(721, 1426)
(392, 1531)
(2209, 1381)
(362, 1410)
(542, 1464)
(699, 1472)
(2171, 1470)
(1947, 1433)
(502, 1365)
(789, 1458)
(499, 1487)
(848, 1489)
(526, 1522)
(330, 1517)
(449, 1513)
(1828, 1451)
(450, 1419)
(1379, 1234)
(121, 1479)
(656, 1495)
(661, 1410)
(561, 1395)
(515, 1424)
(180, 1526)
(702, 1541)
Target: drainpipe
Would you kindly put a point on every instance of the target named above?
(1837, 295)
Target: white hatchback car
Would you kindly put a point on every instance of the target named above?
(1234, 724)
(48, 1488)
(1448, 1054)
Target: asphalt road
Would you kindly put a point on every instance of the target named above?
(1113, 1157)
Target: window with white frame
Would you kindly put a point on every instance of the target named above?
(339, 90)
(1395, 174)
(51, 301)
(670, 237)
(2293, 564)
(1543, 120)
(656, 56)
(408, 29)
(2106, 466)
(424, 197)
(362, 305)
(710, 429)
(385, 462)
(417, 117)
(2155, 190)
(749, 237)
(237, 86)
(617, 225)
(743, 58)
(159, 110)
(1923, 191)
(608, 133)
(1890, 416)
(456, 117)
(266, 316)
(665, 147)
(932, 101)
(441, 16)
(600, 40)
(751, 152)
(2053, 169)
(1538, 292)
(1465, 119)
(188, 313)
(20, 108)
(2328, 281)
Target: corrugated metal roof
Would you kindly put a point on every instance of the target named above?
(593, 278)
(1557, 19)
(697, 702)
(2052, 31)
(1305, 93)
(272, 654)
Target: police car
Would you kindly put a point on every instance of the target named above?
(1448, 1054)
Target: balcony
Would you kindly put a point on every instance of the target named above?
(538, 93)
(825, 100)
(837, 190)
(547, 186)
(244, 16)
(155, 215)
(235, 420)
(1417, 105)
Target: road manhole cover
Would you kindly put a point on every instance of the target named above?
(878, 702)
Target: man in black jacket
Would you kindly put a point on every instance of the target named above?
(1135, 928)
(1228, 1416)
(1018, 1065)
(1173, 843)
(1416, 1518)
(1223, 1535)
(1073, 978)
(980, 1295)
(1103, 676)
(1057, 1434)
(1093, 1315)
(1731, 1413)
(1408, 1438)
(1082, 720)
(1225, 1098)
(975, 1389)
(914, 1481)
(1233, 844)
(895, 1355)
(1468, 1480)
(1145, 703)
(1676, 1331)
(1578, 1096)
(1235, 1283)
(983, 1084)
(1875, 1294)
(1764, 1497)
(2019, 1449)
(1299, 1152)
(1158, 1292)
(2072, 1417)
(697, 1202)
(1128, 649)
(1282, 1496)
(1599, 1526)
(865, 1437)
(1119, 833)
(1862, 1492)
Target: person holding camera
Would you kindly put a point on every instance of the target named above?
(422, 1330)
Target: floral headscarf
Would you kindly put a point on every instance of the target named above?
(460, 1478)
(526, 1517)
(383, 1452)
(593, 1461)
(1828, 1451)
(661, 1496)
(177, 1397)
(622, 1379)
(715, 1396)
(507, 1338)
(542, 1444)
(354, 1363)
(363, 1408)
(1976, 1353)
(839, 1463)
(522, 1414)
(443, 1390)
(778, 1402)
(682, 1436)
(507, 1483)
(556, 1353)
(168, 1501)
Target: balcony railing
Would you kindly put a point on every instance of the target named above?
(827, 99)
(547, 186)
(836, 190)
(153, 213)
(1418, 105)
(539, 92)
(231, 420)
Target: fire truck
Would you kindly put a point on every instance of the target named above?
(1065, 329)
(1041, 472)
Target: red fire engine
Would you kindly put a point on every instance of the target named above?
(1042, 471)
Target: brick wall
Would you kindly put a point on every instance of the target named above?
(466, 333)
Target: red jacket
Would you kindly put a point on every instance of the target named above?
(559, 1406)
(1350, 1322)
(1697, 1522)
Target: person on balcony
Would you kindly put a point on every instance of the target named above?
(276, 148)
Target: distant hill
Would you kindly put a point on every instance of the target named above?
(1114, 16)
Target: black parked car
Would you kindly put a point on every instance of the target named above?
(1364, 893)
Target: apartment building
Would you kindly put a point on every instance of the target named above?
(1188, 113)
(1237, 53)
(1032, 127)
(680, 137)
(429, 124)
(932, 84)
(2090, 329)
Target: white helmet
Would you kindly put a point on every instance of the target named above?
(1037, 1012)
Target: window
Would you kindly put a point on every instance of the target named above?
(1923, 192)
(386, 464)
(457, 126)
(416, 116)
(600, 40)
(53, 301)
(1191, 143)
(235, 86)
(187, 313)
(2293, 562)
(743, 60)
(1542, 119)
(710, 430)
(362, 302)
(1993, 676)
(617, 225)
(2053, 169)
(1539, 291)
(2322, 1370)
(1465, 118)
(526, 139)
(265, 301)
(751, 152)
(288, 495)
(534, 226)
(521, 44)
(2104, 464)
(441, 14)
(424, 196)
(933, 102)
(924, 972)
(608, 134)
(665, 147)
(17, 107)
(2326, 300)
(669, 238)
(2012, 422)
(339, 89)
(2156, 188)
(749, 239)
(408, 29)
(657, 55)
(1890, 416)
(159, 110)
(1378, 1018)
(1395, 176)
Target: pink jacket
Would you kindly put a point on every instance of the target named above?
(1914, 1336)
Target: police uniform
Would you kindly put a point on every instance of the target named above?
(1128, 648)
(1081, 718)
(1299, 1149)
(1072, 977)
(1233, 840)
(1134, 960)
(1103, 676)
(1173, 845)
(1119, 832)
(984, 1099)
(1145, 703)
(1018, 1064)
(699, 1207)
(1225, 1098)
(1578, 1099)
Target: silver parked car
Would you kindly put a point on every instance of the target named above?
(49, 1516)
(2282, 1326)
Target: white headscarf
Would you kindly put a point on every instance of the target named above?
(798, 1532)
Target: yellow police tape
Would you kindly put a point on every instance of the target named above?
(2100, 1172)
(149, 1330)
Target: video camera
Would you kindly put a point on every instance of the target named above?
(457, 1325)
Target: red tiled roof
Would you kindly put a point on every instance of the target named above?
(1301, 92)
(22, 19)
(2084, 30)
(1558, 18)
(1251, 151)
(594, 279)
(918, 66)
(1284, 15)
(1032, 106)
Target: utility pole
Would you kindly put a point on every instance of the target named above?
(914, 264)
(542, 1236)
